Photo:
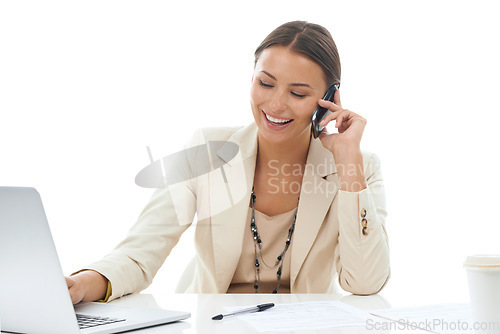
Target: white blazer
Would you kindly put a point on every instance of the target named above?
(328, 241)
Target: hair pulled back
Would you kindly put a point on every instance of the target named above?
(310, 40)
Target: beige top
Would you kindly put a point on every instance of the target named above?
(273, 232)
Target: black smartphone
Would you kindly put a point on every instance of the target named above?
(320, 112)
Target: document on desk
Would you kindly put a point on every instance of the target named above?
(438, 318)
(300, 316)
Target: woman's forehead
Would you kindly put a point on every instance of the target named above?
(287, 65)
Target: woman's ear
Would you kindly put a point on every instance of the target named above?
(336, 98)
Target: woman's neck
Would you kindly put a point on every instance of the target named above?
(291, 152)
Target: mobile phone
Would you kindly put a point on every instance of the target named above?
(320, 112)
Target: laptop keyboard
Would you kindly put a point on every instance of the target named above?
(87, 321)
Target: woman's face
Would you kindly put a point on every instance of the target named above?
(285, 90)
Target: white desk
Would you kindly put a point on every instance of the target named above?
(204, 306)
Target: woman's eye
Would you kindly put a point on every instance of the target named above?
(263, 84)
(298, 95)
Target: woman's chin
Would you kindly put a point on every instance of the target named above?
(283, 137)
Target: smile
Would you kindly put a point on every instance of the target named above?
(277, 121)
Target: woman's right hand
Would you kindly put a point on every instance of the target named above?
(87, 286)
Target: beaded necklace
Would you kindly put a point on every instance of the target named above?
(257, 242)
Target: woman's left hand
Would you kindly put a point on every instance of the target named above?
(350, 127)
(345, 145)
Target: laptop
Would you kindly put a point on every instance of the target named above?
(34, 297)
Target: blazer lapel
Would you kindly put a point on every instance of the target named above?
(316, 196)
(229, 199)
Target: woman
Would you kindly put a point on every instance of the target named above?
(301, 210)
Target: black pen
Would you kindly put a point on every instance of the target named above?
(258, 308)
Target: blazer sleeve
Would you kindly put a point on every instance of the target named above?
(362, 253)
(131, 266)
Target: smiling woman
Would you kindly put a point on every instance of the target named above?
(262, 227)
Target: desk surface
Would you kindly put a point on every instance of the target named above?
(204, 306)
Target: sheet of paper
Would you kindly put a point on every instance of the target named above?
(439, 318)
(300, 316)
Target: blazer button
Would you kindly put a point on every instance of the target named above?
(365, 231)
(363, 213)
(364, 222)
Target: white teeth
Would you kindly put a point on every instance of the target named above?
(276, 120)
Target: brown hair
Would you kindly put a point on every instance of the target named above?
(310, 40)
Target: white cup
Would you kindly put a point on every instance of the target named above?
(483, 275)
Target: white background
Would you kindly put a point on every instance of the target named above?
(85, 86)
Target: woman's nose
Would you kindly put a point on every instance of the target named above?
(278, 102)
